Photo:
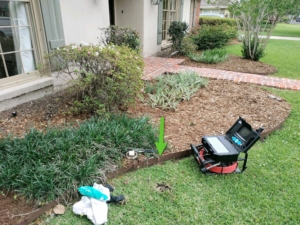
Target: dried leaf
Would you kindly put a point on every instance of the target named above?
(59, 209)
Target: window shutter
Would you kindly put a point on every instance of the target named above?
(53, 23)
(160, 22)
(181, 10)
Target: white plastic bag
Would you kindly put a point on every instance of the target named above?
(95, 210)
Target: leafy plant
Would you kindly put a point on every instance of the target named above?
(187, 45)
(169, 90)
(210, 37)
(213, 21)
(44, 166)
(177, 31)
(103, 79)
(210, 56)
(120, 36)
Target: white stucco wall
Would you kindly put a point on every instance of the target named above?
(131, 13)
(150, 46)
(186, 11)
(143, 16)
(83, 18)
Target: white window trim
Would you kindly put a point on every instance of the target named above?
(39, 41)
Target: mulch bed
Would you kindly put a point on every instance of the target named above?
(235, 63)
(211, 111)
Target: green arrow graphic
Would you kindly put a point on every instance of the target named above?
(161, 145)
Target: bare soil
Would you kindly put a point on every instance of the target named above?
(211, 111)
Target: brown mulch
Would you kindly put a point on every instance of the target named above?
(211, 111)
(234, 63)
(214, 109)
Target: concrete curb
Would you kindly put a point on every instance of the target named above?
(135, 166)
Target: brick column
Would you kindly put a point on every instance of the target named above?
(198, 3)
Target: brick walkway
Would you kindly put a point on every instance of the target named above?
(155, 66)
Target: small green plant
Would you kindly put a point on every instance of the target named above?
(177, 31)
(210, 37)
(103, 79)
(44, 166)
(120, 36)
(210, 56)
(169, 90)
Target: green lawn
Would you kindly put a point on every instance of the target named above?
(286, 30)
(266, 193)
(282, 54)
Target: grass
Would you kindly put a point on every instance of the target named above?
(286, 30)
(266, 193)
(43, 166)
(212, 56)
(169, 90)
(282, 54)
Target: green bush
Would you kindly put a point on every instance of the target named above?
(120, 36)
(210, 56)
(107, 78)
(212, 21)
(46, 165)
(177, 31)
(210, 37)
(231, 31)
(169, 90)
(257, 52)
(187, 45)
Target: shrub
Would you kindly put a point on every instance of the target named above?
(210, 56)
(177, 31)
(210, 37)
(169, 90)
(256, 52)
(187, 45)
(108, 78)
(231, 31)
(120, 36)
(212, 21)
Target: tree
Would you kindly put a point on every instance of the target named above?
(256, 20)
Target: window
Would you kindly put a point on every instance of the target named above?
(18, 53)
(170, 13)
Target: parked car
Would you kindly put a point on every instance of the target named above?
(212, 15)
(298, 19)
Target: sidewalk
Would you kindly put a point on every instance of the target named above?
(285, 38)
(155, 66)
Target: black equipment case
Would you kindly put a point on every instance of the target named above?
(219, 154)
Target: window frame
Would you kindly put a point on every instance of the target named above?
(38, 39)
(168, 11)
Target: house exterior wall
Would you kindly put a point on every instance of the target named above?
(186, 11)
(143, 16)
(82, 20)
(213, 9)
(150, 46)
(130, 13)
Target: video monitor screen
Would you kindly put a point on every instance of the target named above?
(245, 133)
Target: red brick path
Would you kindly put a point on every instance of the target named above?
(155, 66)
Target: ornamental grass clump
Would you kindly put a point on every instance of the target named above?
(103, 79)
(210, 56)
(169, 90)
(45, 165)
